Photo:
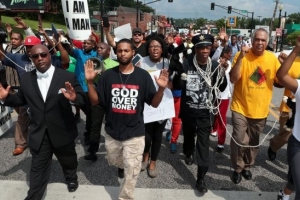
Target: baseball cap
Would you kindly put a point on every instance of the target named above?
(137, 30)
(31, 41)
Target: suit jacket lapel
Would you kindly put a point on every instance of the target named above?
(35, 84)
(54, 81)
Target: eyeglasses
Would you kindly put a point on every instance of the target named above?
(137, 34)
(36, 56)
(155, 47)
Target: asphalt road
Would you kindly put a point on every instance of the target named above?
(173, 173)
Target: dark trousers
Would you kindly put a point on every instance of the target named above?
(293, 155)
(87, 109)
(153, 138)
(98, 114)
(41, 166)
(201, 127)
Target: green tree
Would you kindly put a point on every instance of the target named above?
(199, 23)
(220, 23)
(294, 18)
(291, 38)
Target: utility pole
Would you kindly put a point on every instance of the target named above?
(273, 18)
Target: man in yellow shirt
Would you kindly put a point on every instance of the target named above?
(253, 74)
(282, 137)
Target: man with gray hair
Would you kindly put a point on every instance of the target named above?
(253, 73)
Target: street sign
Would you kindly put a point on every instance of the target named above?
(244, 11)
(231, 21)
(278, 31)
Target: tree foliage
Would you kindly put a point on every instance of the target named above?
(291, 38)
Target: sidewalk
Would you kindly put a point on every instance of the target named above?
(58, 191)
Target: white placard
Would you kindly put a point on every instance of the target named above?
(77, 18)
(122, 32)
(5, 119)
(165, 110)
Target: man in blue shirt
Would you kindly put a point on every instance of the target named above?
(82, 55)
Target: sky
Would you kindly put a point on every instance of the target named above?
(201, 8)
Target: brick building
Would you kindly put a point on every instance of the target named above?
(124, 15)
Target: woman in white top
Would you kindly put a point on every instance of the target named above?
(153, 130)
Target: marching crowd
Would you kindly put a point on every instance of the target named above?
(46, 77)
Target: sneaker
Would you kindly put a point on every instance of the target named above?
(152, 173)
(77, 118)
(168, 136)
(173, 148)
(282, 196)
(144, 165)
(214, 134)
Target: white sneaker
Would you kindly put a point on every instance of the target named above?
(214, 134)
(282, 196)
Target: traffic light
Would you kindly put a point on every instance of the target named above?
(229, 9)
(212, 6)
(141, 16)
(170, 1)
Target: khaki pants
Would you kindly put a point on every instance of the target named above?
(246, 131)
(21, 131)
(128, 155)
(283, 136)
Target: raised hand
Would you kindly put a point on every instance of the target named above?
(41, 30)
(89, 71)
(4, 92)
(282, 57)
(162, 80)
(8, 28)
(69, 92)
(20, 23)
(245, 49)
(222, 34)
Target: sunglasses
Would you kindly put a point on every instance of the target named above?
(137, 34)
(36, 56)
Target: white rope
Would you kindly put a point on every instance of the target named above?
(248, 146)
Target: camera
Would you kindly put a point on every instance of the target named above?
(3, 35)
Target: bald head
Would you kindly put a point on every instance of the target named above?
(40, 57)
(104, 50)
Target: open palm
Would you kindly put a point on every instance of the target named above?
(162, 80)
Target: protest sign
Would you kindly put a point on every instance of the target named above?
(123, 31)
(77, 18)
(165, 110)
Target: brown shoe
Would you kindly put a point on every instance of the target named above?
(18, 151)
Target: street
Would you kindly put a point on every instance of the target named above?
(173, 173)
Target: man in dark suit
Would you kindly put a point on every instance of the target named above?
(49, 92)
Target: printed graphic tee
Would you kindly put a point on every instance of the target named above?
(253, 91)
(123, 97)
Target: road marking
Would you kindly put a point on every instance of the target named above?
(273, 112)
